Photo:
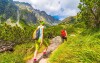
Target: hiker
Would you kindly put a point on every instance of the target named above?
(64, 34)
(40, 40)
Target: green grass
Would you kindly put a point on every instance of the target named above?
(18, 55)
(78, 49)
(21, 54)
(83, 46)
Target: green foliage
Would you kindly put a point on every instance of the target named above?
(18, 55)
(90, 13)
(16, 34)
(83, 44)
(83, 47)
(23, 23)
(2, 19)
(80, 25)
(71, 20)
(78, 49)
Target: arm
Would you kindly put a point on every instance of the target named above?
(66, 33)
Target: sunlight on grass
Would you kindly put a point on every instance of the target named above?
(78, 49)
(16, 56)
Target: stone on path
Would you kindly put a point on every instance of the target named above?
(43, 60)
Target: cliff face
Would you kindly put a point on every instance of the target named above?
(7, 10)
(12, 11)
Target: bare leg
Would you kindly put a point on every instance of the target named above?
(45, 53)
(45, 49)
(35, 53)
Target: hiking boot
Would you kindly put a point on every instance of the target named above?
(44, 54)
(34, 61)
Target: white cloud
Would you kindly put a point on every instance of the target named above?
(63, 8)
(22, 0)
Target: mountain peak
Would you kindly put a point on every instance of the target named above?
(24, 12)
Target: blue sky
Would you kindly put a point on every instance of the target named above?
(58, 8)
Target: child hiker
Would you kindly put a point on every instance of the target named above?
(40, 40)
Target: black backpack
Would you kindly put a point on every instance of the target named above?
(36, 34)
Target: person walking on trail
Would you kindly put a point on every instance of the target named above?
(64, 34)
(40, 40)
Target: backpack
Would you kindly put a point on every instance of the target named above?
(36, 34)
(63, 33)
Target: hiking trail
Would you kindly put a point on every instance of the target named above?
(55, 42)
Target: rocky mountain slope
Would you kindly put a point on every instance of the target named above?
(14, 12)
(70, 19)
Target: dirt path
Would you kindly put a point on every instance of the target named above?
(40, 59)
(55, 42)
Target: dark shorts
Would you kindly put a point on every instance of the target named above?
(64, 38)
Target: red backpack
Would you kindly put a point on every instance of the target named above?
(63, 33)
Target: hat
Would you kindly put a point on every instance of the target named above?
(42, 22)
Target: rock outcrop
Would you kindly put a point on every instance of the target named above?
(7, 47)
